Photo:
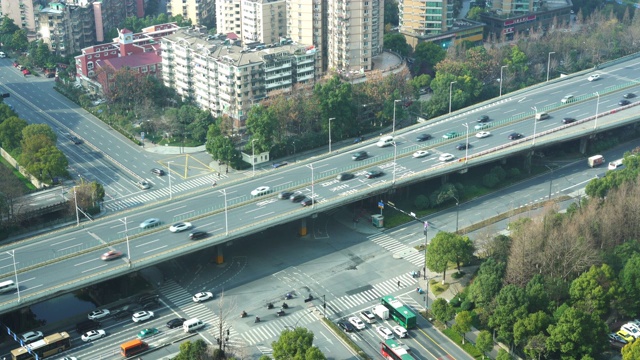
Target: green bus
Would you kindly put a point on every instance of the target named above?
(399, 312)
(390, 349)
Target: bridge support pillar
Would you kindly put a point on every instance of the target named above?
(219, 255)
(583, 145)
(527, 162)
(444, 178)
(303, 227)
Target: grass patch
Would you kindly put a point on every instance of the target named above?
(437, 287)
(346, 339)
(458, 275)
(27, 184)
(468, 347)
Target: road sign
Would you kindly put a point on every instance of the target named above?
(142, 134)
(380, 204)
(426, 225)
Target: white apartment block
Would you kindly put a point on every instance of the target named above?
(354, 30)
(227, 79)
(24, 14)
(263, 21)
(228, 17)
(201, 12)
(430, 17)
(306, 24)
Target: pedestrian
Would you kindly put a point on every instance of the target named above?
(398, 283)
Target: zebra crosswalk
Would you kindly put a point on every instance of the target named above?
(182, 299)
(152, 195)
(346, 302)
(399, 249)
(271, 329)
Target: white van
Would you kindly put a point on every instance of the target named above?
(615, 164)
(385, 141)
(7, 286)
(192, 325)
(542, 116)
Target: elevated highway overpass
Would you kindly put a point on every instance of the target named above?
(69, 259)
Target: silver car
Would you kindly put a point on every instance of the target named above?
(150, 223)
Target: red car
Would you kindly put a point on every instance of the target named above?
(26, 72)
(111, 255)
(15, 64)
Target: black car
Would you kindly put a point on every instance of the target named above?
(198, 235)
(515, 136)
(158, 172)
(75, 140)
(297, 197)
(174, 323)
(49, 75)
(143, 299)
(371, 174)
(462, 146)
(483, 119)
(629, 95)
(285, 195)
(568, 120)
(423, 137)
(624, 102)
(345, 176)
(346, 326)
(307, 201)
(360, 155)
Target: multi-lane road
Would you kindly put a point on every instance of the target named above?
(70, 259)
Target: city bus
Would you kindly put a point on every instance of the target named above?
(391, 350)
(51, 345)
(133, 347)
(399, 312)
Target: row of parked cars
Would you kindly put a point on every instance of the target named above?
(628, 333)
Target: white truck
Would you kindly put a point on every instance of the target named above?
(595, 160)
(381, 311)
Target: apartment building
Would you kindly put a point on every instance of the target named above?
(24, 13)
(263, 21)
(228, 17)
(200, 12)
(306, 24)
(225, 78)
(508, 17)
(425, 18)
(354, 33)
(139, 51)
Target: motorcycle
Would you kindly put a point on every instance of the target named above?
(243, 314)
(269, 306)
(257, 320)
(280, 313)
(309, 298)
(285, 305)
(288, 296)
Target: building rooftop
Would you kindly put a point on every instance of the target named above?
(132, 61)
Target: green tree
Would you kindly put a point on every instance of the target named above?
(19, 40)
(474, 13)
(537, 294)
(8, 26)
(39, 129)
(335, 99)
(503, 355)
(439, 252)
(11, 133)
(529, 326)
(296, 344)
(442, 310)
(426, 55)
(46, 164)
(484, 342)
(487, 283)
(463, 323)
(536, 346)
(594, 290)
(391, 12)
(463, 250)
(509, 306)
(578, 334)
(421, 202)
(263, 127)
(630, 284)
(397, 42)
(196, 350)
(631, 351)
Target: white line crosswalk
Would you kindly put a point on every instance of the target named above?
(346, 302)
(152, 195)
(271, 329)
(181, 298)
(399, 249)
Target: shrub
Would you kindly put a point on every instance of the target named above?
(466, 305)
(490, 180)
(421, 202)
(499, 172)
(514, 173)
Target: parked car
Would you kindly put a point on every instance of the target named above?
(98, 314)
(279, 164)
(613, 337)
(89, 336)
(181, 226)
(625, 336)
(202, 296)
(149, 223)
(358, 139)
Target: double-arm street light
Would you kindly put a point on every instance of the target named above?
(15, 270)
(330, 134)
(550, 180)
(313, 194)
(395, 156)
(226, 222)
(393, 129)
(535, 123)
(549, 64)
(126, 235)
(253, 158)
(169, 175)
(466, 147)
(595, 124)
(450, 94)
(502, 68)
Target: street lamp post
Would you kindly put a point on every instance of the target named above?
(253, 158)
(395, 155)
(595, 124)
(75, 199)
(450, 94)
(126, 235)
(294, 151)
(15, 270)
(535, 124)
(549, 63)
(466, 147)
(426, 238)
(393, 129)
(169, 175)
(457, 213)
(313, 194)
(501, 68)
(550, 180)
(226, 222)
(330, 134)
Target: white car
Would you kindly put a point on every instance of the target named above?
(632, 329)
(482, 134)
(384, 332)
(2, 54)
(99, 314)
(89, 336)
(400, 331)
(202, 296)
(141, 316)
(31, 336)
(446, 157)
(420, 153)
(181, 226)
(481, 126)
(143, 184)
(594, 77)
(262, 190)
(566, 99)
(357, 323)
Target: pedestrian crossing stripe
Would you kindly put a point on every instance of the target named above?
(394, 246)
(272, 329)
